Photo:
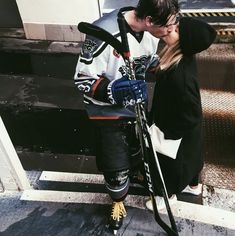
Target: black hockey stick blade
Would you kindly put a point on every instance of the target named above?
(101, 34)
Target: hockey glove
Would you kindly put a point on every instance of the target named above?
(127, 92)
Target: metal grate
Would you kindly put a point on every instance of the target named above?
(219, 150)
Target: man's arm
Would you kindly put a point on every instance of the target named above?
(91, 66)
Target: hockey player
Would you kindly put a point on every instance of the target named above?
(109, 96)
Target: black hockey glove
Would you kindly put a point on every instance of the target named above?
(126, 92)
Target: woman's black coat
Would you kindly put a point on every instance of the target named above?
(177, 111)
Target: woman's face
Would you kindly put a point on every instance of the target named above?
(173, 36)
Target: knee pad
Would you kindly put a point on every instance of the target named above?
(117, 184)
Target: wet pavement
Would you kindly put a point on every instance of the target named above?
(21, 218)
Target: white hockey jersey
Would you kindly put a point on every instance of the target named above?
(99, 63)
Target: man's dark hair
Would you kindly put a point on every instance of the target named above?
(159, 10)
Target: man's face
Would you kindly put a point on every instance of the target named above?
(161, 31)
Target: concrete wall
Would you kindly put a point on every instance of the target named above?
(56, 19)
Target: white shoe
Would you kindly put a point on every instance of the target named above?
(160, 202)
(194, 191)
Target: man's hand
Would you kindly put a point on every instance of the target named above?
(127, 92)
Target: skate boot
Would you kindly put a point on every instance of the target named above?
(118, 212)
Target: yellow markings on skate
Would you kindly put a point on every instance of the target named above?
(118, 211)
(71, 177)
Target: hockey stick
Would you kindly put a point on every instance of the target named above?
(145, 138)
(123, 49)
(102, 34)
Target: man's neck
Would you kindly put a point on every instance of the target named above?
(137, 25)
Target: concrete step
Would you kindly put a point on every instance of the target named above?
(94, 183)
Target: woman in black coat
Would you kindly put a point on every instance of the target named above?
(176, 108)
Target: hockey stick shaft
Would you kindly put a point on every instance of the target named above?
(143, 133)
(101, 34)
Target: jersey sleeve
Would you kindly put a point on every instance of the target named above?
(91, 66)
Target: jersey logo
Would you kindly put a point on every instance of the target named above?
(88, 46)
(140, 65)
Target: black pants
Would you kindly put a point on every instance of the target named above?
(117, 147)
(117, 153)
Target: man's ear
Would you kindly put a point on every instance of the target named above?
(149, 21)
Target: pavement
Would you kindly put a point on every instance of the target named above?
(22, 217)
(65, 212)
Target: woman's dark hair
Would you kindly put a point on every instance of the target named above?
(159, 10)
